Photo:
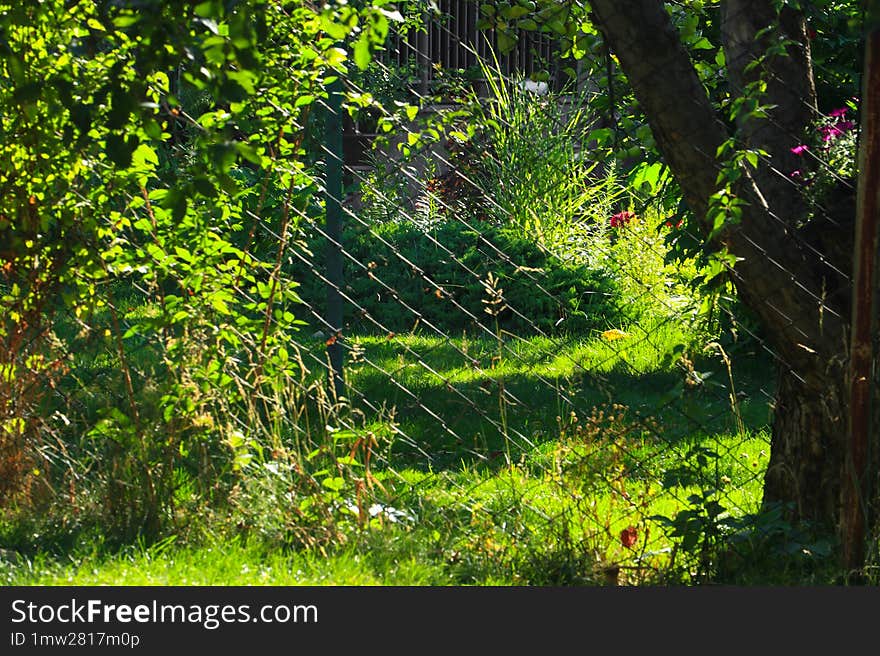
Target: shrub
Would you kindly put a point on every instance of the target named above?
(439, 277)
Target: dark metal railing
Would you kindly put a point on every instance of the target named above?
(449, 46)
(452, 41)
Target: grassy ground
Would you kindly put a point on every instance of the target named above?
(603, 458)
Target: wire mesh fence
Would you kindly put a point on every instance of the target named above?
(485, 333)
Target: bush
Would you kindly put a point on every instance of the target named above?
(446, 286)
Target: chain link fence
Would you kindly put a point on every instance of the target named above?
(511, 343)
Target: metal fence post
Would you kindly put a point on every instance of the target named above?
(333, 199)
(864, 290)
(423, 40)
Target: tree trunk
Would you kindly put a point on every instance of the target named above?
(787, 275)
(809, 441)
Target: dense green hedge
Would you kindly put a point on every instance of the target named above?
(540, 292)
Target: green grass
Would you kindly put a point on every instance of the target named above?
(468, 382)
(228, 562)
(475, 526)
(549, 451)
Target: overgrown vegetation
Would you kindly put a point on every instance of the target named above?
(547, 382)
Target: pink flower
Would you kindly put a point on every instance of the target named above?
(798, 176)
(800, 150)
(838, 113)
(621, 219)
(831, 132)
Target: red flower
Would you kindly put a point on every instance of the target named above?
(628, 536)
(621, 219)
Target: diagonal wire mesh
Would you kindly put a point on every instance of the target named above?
(531, 376)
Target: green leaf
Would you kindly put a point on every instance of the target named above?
(335, 30)
(512, 13)
(220, 305)
(335, 483)
(16, 68)
(120, 150)
(176, 201)
(362, 52)
(248, 153)
(209, 9)
(143, 156)
(506, 42)
(223, 155)
(122, 103)
(184, 254)
(126, 20)
(557, 26)
(152, 129)
(204, 186)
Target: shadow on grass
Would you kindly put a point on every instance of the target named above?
(471, 401)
